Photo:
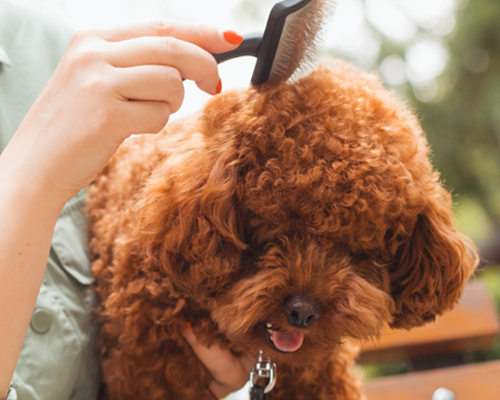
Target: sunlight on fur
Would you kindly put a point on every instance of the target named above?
(289, 218)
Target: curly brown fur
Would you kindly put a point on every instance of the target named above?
(320, 190)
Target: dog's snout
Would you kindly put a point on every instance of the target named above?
(301, 311)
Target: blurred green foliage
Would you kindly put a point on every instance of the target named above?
(491, 276)
(463, 126)
(462, 118)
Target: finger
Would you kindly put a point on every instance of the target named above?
(193, 62)
(151, 83)
(247, 361)
(209, 38)
(221, 390)
(138, 117)
(222, 364)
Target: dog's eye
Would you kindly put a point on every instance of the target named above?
(370, 269)
(249, 260)
(358, 258)
(355, 257)
(253, 249)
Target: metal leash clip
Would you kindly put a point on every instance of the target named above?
(263, 369)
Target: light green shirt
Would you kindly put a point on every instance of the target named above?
(58, 359)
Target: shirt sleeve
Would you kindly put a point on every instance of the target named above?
(33, 40)
(58, 360)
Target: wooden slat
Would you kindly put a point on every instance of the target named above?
(473, 324)
(468, 382)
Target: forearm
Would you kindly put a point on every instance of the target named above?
(27, 219)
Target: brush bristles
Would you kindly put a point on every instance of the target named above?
(301, 40)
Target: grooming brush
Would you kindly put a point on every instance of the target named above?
(289, 41)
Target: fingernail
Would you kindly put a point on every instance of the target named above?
(219, 87)
(232, 37)
(188, 325)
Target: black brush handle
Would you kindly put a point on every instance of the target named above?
(248, 47)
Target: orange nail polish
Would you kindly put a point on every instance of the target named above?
(219, 87)
(188, 325)
(232, 37)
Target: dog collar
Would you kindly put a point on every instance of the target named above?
(263, 369)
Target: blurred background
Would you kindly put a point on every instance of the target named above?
(442, 57)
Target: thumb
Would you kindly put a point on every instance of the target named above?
(229, 372)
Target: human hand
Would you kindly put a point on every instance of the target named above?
(229, 373)
(110, 84)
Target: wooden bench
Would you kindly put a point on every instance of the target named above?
(472, 325)
(469, 382)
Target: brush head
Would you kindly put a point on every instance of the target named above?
(290, 43)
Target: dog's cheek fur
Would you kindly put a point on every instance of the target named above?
(350, 305)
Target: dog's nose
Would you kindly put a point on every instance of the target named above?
(301, 311)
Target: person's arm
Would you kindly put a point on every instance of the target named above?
(110, 84)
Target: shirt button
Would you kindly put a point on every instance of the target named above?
(41, 321)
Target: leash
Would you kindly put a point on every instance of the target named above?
(257, 393)
(264, 369)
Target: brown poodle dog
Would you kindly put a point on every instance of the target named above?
(289, 218)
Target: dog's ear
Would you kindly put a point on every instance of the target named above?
(432, 265)
(189, 225)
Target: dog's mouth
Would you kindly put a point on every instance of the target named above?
(283, 342)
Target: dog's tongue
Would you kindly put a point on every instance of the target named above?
(287, 341)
